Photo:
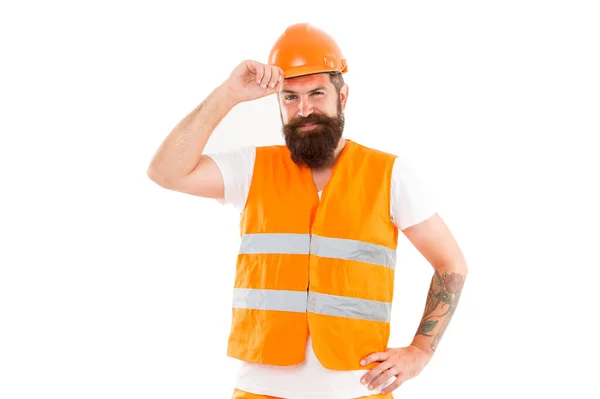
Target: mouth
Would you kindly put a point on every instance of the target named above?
(310, 126)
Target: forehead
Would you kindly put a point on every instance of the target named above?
(307, 82)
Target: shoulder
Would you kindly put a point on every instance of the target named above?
(245, 153)
(270, 155)
(413, 198)
(404, 168)
(371, 152)
(372, 157)
(273, 150)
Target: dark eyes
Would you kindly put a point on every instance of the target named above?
(292, 96)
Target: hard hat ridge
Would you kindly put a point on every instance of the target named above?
(304, 49)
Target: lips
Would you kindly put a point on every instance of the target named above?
(308, 126)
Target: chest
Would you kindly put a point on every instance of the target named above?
(320, 178)
(354, 195)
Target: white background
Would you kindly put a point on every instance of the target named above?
(113, 287)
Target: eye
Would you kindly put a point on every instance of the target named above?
(287, 98)
(318, 92)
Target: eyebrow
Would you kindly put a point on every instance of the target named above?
(313, 90)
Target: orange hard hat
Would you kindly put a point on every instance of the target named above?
(304, 49)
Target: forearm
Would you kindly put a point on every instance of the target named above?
(442, 300)
(182, 148)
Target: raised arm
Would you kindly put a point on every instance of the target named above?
(179, 163)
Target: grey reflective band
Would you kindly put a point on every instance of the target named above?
(365, 309)
(296, 301)
(289, 301)
(278, 243)
(341, 248)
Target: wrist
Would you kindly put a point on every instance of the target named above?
(228, 95)
(425, 349)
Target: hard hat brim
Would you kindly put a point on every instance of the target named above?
(310, 70)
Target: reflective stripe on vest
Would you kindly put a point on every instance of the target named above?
(295, 244)
(342, 248)
(301, 301)
(344, 306)
(296, 301)
(303, 244)
(289, 301)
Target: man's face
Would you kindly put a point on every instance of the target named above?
(313, 118)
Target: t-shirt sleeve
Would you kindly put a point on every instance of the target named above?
(411, 199)
(236, 168)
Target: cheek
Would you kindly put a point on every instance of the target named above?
(328, 108)
(333, 108)
(287, 113)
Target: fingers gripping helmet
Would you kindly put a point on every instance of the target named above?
(304, 49)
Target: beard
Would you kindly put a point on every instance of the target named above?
(314, 148)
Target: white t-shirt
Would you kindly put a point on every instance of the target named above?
(410, 204)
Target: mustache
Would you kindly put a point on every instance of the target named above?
(308, 120)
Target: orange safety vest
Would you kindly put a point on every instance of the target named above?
(324, 266)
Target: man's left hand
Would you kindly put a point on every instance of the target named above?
(402, 363)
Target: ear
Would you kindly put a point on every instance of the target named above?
(344, 95)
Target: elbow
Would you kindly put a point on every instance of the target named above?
(461, 267)
(165, 180)
(157, 177)
(455, 266)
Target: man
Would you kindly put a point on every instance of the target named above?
(319, 222)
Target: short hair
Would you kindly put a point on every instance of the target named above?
(337, 80)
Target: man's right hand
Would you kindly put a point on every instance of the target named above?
(251, 80)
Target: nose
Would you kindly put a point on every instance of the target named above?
(305, 108)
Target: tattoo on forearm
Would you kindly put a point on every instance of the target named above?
(445, 289)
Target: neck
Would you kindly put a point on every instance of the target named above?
(339, 148)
